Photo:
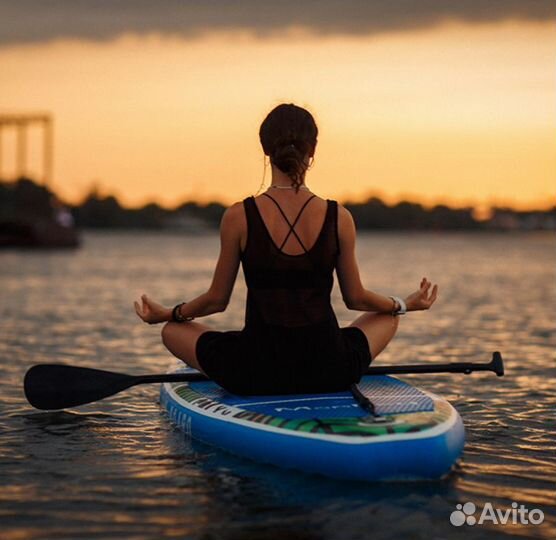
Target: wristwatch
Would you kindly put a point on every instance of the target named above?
(402, 309)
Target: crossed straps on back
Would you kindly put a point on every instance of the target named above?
(291, 225)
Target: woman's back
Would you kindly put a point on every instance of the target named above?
(289, 289)
(291, 340)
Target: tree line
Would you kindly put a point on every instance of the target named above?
(24, 199)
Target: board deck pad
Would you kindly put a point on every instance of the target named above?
(389, 396)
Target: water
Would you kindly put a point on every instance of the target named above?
(118, 469)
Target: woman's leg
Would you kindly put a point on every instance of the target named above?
(181, 340)
(379, 328)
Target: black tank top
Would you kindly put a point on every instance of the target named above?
(289, 292)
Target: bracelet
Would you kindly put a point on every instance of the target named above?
(395, 307)
(177, 316)
(402, 309)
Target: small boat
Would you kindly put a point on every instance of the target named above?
(37, 233)
(414, 434)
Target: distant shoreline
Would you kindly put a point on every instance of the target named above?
(26, 200)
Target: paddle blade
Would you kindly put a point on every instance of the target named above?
(57, 386)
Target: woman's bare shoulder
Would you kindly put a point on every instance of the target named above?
(235, 207)
(345, 219)
(234, 212)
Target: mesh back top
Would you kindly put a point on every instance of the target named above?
(284, 290)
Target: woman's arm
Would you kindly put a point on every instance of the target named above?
(355, 296)
(218, 295)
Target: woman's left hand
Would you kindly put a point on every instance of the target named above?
(421, 299)
(151, 312)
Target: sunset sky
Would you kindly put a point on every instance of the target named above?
(448, 101)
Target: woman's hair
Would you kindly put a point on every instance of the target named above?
(287, 135)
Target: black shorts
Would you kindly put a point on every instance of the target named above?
(230, 359)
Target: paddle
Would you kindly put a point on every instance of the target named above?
(57, 386)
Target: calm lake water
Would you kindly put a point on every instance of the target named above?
(119, 469)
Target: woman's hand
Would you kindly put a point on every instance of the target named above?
(151, 312)
(421, 299)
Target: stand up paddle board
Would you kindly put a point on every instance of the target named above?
(418, 435)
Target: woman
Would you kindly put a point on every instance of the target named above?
(289, 241)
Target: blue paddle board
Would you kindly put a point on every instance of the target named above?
(418, 436)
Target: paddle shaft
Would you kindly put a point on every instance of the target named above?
(495, 365)
(57, 386)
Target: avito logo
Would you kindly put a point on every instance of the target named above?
(465, 514)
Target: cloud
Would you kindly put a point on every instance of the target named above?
(27, 21)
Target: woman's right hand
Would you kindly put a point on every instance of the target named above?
(152, 312)
(421, 299)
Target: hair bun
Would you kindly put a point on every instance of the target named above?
(288, 134)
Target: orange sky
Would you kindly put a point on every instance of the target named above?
(463, 114)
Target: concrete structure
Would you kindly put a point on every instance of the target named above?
(21, 122)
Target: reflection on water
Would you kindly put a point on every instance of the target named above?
(118, 468)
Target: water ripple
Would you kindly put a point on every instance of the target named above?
(118, 468)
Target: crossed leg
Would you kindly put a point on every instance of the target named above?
(379, 328)
(181, 340)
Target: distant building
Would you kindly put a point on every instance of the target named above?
(507, 219)
(182, 220)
